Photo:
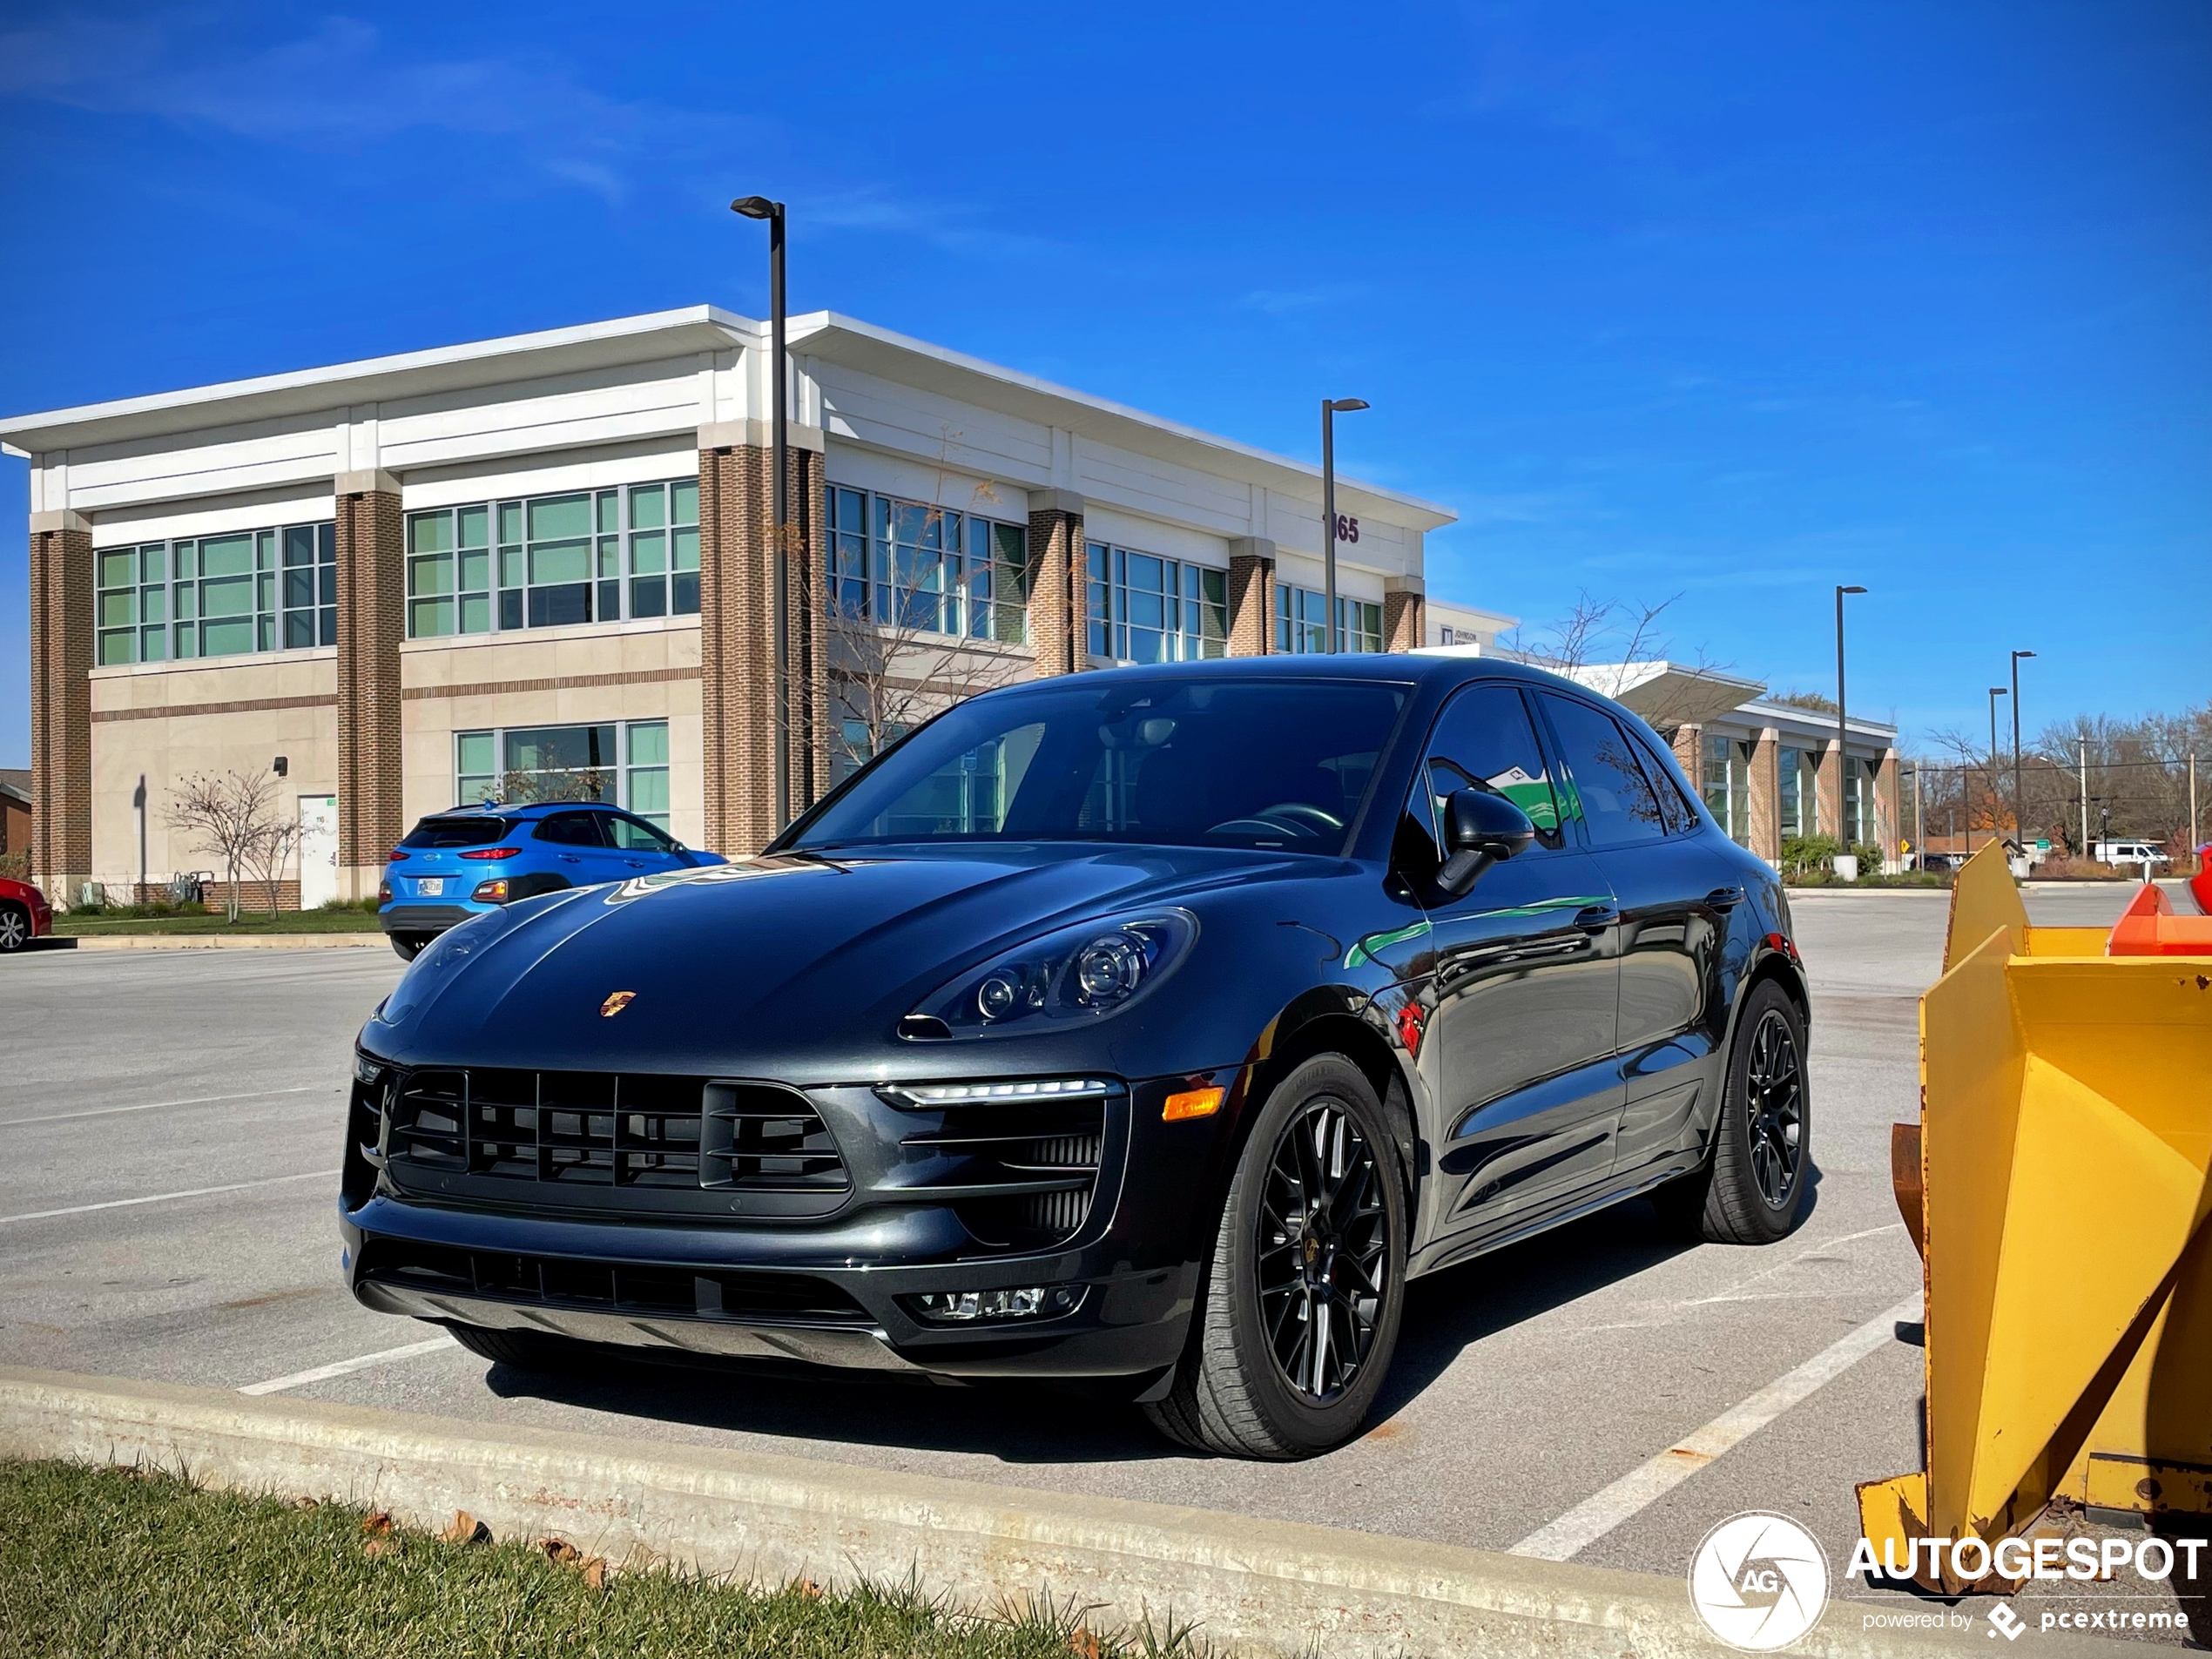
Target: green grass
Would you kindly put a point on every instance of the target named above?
(114, 1562)
(334, 921)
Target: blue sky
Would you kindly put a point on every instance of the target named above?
(1731, 302)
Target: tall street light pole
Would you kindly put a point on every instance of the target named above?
(1843, 753)
(1995, 691)
(1329, 409)
(778, 506)
(2019, 797)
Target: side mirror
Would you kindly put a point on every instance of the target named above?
(1483, 828)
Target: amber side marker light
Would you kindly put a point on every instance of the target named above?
(1192, 1102)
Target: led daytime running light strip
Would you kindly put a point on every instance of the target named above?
(971, 1094)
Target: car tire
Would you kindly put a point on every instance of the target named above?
(1753, 1189)
(408, 947)
(15, 928)
(524, 1350)
(1234, 1392)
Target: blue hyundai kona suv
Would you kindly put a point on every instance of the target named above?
(453, 865)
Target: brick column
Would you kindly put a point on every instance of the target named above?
(1251, 596)
(1765, 793)
(1888, 820)
(372, 620)
(1828, 790)
(1689, 745)
(1059, 583)
(61, 703)
(738, 693)
(1404, 611)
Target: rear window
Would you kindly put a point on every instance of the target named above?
(472, 831)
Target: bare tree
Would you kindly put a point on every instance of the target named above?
(906, 640)
(1597, 635)
(270, 852)
(228, 817)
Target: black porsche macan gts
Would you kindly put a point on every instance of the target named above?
(1144, 1029)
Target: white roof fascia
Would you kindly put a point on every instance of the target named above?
(408, 373)
(835, 338)
(1812, 722)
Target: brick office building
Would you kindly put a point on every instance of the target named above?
(488, 568)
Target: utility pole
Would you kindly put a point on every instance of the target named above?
(1920, 840)
(2084, 742)
(779, 510)
(2019, 797)
(1330, 407)
(1843, 753)
(1995, 794)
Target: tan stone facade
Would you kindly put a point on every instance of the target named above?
(61, 701)
(1764, 792)
(1059, 583)
(372, 620)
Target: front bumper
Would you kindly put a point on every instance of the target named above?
(833, 1288)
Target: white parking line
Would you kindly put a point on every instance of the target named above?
(157, 1105)
(1593, 1518)
(164, 1198)
(346, 1367)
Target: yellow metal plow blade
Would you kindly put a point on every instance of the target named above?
(2066, 1129)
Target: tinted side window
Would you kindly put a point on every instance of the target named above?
(632, 836)
(571, 829)
(456, 832)
(1674, 806)
(1606, 783)
(1484, 740)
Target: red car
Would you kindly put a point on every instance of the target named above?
(24, 914)
(2201, 883)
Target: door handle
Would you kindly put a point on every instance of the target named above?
(1597, 916)
(1724, 898)
(569, 858)
(635, 864)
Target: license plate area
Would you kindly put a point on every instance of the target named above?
(431, 886)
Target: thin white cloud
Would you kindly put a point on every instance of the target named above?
(336, 87)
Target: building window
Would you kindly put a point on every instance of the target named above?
(1725, 782)
(905, 564)
(587, 555)
(1859, 803)
(1800, 793)
(620, 762)
(1144, 609)
(218, 596)
(1300, 618)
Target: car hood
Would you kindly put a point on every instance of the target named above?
(791, 967)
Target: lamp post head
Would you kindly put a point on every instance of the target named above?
(1998, 691)
(1853, 590)
(1346, 405)
(2019, 654)
(756, 207)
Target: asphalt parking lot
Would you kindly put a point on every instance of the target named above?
(171, 1123)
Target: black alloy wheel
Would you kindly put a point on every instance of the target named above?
(1301, 1292)
(1752, 1191)
(1774, 1098)
(1322, 1254)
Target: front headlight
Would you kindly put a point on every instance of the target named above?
(1084, 971)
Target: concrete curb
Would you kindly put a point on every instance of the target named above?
(1262, 1587)
(219, 941)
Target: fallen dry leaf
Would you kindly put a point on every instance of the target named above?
(595, 1572)
(304, 1503)
(466, 1529)
(373, 1547)
(560, 1552)
(1084, 1645)
(378, 1525)
(808, 1587)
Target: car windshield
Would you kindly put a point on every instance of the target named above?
(1222, 762)
(473, 830)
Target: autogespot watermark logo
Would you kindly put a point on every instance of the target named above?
(1759, 1581)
